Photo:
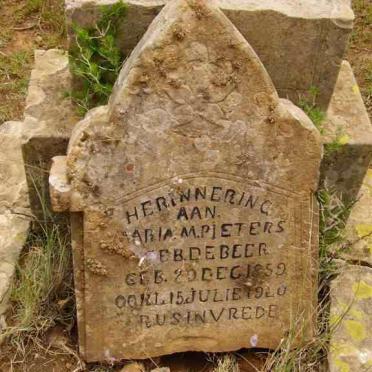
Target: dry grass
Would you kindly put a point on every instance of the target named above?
(227, 363)
(41, 297)
(42, 293)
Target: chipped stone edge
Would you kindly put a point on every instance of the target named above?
(17, 214)
(339, 11)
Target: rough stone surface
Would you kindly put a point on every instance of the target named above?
(49, 119)
(194, 218)
(347, 124)
(358, 246)
(351, 304)
(14, 205)
(301, 44)
(59, 188)
(133, 367)
(13, 187)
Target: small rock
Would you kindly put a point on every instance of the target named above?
(56, 337)
(3, 325)
(133, 367)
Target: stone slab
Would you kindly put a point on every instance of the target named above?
(194, 221)
(348, 125)
(358, 237)
(13, 235)
(14, 205)
(351, 320)
(49, 119)
(301, 44)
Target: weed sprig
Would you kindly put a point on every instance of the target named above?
(96, 60)
(309, 105)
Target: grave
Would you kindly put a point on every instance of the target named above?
(192, 199)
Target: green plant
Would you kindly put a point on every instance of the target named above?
(339, 141)
(95, 59)
(32, 6)
(13, 82)
(309, 105)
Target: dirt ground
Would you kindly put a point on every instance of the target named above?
(26, 25)
(360, 49)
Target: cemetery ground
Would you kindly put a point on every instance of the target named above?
(44, 330)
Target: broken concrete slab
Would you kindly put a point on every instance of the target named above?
(347, 137)
(49, 119)
(351, 321)
(13, 185)
(13, 235)
(46, 100)
(358, 239)
(14, 205)
(301, 44)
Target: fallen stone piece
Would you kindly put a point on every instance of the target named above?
(348, 135)
(301, 44)
(192, 199)
(351, 321)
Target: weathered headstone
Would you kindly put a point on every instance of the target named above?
(194, 221)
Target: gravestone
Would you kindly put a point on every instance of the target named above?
(193, 215)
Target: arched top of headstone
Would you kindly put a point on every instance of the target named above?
(192, 49)
(193, 98)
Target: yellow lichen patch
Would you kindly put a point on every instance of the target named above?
(356, 314)
(356, 89)
(368, 181)
(342, 366)
(355, 329)
(334, 320)
(362, 290)
(363, 229)
(342, 348)
(344, 139)
(343, 309)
